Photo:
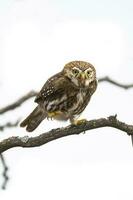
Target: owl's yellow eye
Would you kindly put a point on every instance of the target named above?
(88, 72)
(75, 72)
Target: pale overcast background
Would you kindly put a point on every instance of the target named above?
(37, 37)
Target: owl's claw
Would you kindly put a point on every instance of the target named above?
(79, 122)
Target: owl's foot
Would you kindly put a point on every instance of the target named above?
(52, 115)
(78, 122)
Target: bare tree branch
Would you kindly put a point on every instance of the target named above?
(5, 176)
(18, 102)
(109, 80)
(9, 125)
(44, 138)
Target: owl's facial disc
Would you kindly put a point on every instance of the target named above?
(81, 77)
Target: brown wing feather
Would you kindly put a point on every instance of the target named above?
(49, 88)
(55, 89)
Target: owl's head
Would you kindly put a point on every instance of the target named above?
(80, 73)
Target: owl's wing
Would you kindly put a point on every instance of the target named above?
(53, 89)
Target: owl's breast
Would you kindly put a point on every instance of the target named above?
(79, 103)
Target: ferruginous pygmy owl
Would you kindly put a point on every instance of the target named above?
(65, 95)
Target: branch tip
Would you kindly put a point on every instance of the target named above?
(5, 176)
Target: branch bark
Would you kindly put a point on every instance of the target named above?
(44, 138)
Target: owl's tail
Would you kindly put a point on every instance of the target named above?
(34, 119)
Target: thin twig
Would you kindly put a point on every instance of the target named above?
(5, 176)
(18, 102)
(44, 138)
(109, 80)
(9, 125)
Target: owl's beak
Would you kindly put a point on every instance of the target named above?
(82, 76)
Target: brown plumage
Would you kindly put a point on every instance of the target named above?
(65, 95)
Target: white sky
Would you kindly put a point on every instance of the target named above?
(36, 39)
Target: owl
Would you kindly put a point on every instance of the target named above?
(65, 95)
